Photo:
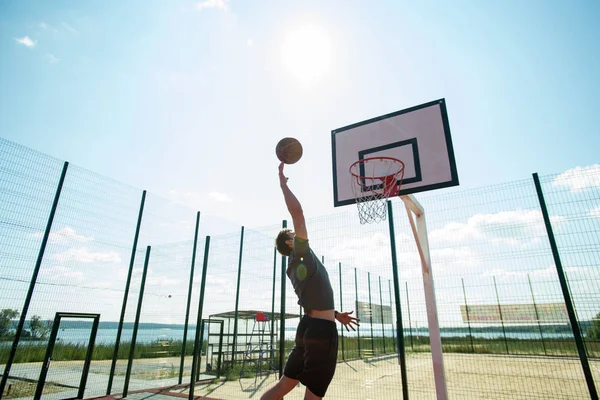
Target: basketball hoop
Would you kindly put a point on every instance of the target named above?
(374, 180)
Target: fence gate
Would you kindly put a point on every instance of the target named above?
(50, 349)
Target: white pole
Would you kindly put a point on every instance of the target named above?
(435, 340)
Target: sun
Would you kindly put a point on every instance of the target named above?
(306, 53)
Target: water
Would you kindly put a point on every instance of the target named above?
(107, 336)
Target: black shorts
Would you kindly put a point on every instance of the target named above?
(313, 359)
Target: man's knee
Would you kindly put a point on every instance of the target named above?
(308, 395)
(283, 387)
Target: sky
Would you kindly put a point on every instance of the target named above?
(187, 99)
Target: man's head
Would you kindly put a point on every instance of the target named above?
(285, 242)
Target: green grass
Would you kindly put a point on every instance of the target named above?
(16, 389)
(70, 352)
(352, 348)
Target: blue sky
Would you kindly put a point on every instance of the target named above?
(187, 98)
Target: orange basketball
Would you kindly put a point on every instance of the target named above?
(289, 150)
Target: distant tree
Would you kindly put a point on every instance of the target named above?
(39, 329)
(6, 317)
(593, 331)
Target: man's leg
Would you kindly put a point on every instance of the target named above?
(308, 395)
(283, 387)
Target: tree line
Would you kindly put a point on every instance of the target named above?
(38, 329)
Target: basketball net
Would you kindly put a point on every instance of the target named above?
(374, 180)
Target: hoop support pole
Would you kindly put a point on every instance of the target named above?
(420, 234)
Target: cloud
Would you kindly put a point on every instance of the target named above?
(457, 257)
(579, 178)
(250, 42)
(218, 285)
(62, 273)
(64, 235)
(47, 27)
(221, 197)
(160, 280)
(85, 256)
(206, 4)
(595, 212)
(574, 274)
(516, 228)
(26, 41)
(52, 59)
(371, 252)
(70, 28)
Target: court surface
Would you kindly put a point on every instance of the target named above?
(468, 377)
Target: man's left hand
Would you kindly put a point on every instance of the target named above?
(345, 319)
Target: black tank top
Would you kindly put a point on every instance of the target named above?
(309, 278)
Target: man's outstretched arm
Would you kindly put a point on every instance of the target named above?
(293, 205)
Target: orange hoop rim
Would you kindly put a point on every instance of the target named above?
(382, 178)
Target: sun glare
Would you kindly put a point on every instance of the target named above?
(306, 53)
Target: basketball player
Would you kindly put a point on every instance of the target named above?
(313, 359)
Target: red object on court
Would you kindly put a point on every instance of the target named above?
(261, 317)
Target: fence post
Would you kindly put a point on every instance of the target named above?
(467, 311)
(399, 328)
(500, 312)
(36, 270)
(371, 314)
(410, 333)
(381, 311)
(391, 305)
(237, 299)
(356, 302)
(272, 306)
(189, 300)
(198, 339)
(136, 323)
(566, 294)
(341, 310)
(537, 316)
(282, 312)
(115, 356)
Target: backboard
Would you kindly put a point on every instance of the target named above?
(419, 136)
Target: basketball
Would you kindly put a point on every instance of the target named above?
(289, 150)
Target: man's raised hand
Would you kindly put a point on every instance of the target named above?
(282, 179)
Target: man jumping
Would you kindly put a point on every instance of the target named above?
(313, 359)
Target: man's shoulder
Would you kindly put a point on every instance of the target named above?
(299, 239)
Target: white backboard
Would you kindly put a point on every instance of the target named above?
(419, 136)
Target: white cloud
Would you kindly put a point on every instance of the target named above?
(61, 273)
(250, 42)
(221, 197)
(370, 252)
(457, 257)
(26, 41)
(160, 280)
(64, 235)
(52, 59)
(47, 27)
(217, 284)
(595, 212)
(516, 228)
(574, 274)
(220, 4)
(579, 178)
(85, 256)
(70, 28)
